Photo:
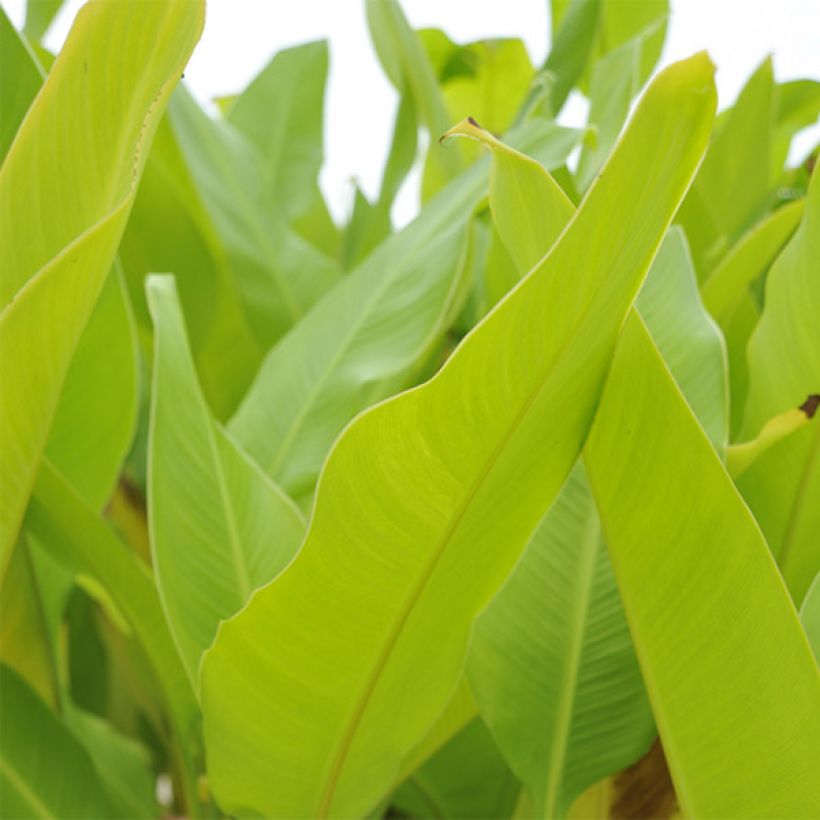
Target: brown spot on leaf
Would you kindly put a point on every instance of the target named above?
(473, 122)
(810, 405)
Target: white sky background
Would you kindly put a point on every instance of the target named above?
(241, 36)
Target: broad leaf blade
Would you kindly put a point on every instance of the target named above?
(76, 159)
(44, 771)
(783, 486)
(313, 382)
(706, 607)
(219, 526)
(427, 500)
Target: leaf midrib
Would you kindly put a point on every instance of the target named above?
(19, 782)
(588, 550)
(438, 551)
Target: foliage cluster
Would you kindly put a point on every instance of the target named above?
(511, 512)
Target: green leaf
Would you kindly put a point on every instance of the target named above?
(810, 616)
(798, 105)
(467, 779)
(66, 188)
(313, 382)
(40, 15)
(123, 765)
(96, 416)
(733, 184)
(784, 367)
(615, 81)
(552, 664)
(169, 230)
(556, 631)
(415, 525)
(572, 43)
(18, 61)
(76, 537)
(278, 273)
(220, 528)
(723, 289)
(44, 771)
(281, 112)
(706, 607)
(408, 68)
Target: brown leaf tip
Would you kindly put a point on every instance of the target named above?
(472, 121)
(810, 405)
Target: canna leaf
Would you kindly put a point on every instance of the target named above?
(44, 772)
(75, 536)
(723, 289)
(97, 413)
(544, 647)
(18, 61)
(784, 367)
(810, 617)
(426, 502)
(40, 15)
(281, 112)
(220, 528)
(170, 230)
(313, 382)
(706, 607)
(279, 274)
(733, 184)
(66, 188)
(467, 778)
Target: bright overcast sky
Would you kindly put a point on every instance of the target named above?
(241, 35)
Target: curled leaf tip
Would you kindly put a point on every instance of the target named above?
(469, 128)
(810, 405)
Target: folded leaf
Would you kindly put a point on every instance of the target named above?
(426, 502)
(783, 486)
(66, 188)
(707, 609)
(220, 528)
(44, 771)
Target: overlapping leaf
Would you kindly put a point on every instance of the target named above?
(783, 486)
(426, 502)
(66, 187)
(220, 528)
(707, 609)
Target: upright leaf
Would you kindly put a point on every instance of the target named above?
(219, 526)
(551, 664)
(733, 184)
(73, 534)
(66, 188)
(279, 274)
(281, 112)
(706, 607)
(17, 61)
(96, 416)
(427, 500)
(783, 486)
